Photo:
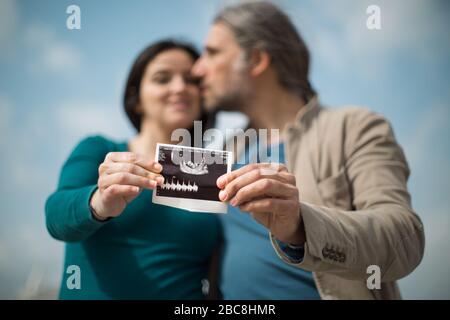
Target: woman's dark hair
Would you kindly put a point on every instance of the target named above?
(131, 94)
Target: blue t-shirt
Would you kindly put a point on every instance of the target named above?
(251, 268)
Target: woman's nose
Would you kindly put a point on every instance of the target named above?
(178, 84)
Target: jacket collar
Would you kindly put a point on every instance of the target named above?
(305, 114)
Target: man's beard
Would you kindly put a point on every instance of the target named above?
(233, 101)
(237, 96)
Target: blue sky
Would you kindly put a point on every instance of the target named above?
(59, 85)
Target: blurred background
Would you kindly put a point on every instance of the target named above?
(59, 85)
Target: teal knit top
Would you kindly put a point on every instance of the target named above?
(148, 252)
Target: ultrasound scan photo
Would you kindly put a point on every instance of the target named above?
(190, 176)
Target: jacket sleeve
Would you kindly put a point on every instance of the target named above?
(382, 229)
(68, 216)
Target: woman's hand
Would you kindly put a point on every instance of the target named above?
(122, 177)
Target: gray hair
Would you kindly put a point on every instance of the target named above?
(264, 26)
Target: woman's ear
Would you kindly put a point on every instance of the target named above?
(259, 62)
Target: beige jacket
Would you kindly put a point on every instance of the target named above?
(352, 175)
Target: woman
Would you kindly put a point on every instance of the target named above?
(125, 246)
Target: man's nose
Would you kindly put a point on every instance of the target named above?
(198, 69)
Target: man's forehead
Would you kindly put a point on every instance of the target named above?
(220, 35)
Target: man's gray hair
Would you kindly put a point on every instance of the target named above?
(264, 26)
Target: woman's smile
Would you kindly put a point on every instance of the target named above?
(180, 105)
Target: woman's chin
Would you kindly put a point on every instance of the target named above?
(177, 122)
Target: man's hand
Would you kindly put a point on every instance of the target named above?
(269, 193)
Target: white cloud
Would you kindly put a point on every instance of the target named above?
(72, 120)
(77, 119)
(430, 185)
(342, 40)
(8, 23)
(430, 280)
(52, 54)
(8, 18)
(5, 115)
(19, 147)
(62, 57)
(4, 253)
(35, 267)
(435, 120)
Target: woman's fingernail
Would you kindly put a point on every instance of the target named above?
(160, 180)
(152, 183)
(158, 166)
(221, 181)
(222, 195)
(233, 202)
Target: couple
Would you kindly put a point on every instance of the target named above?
(337, 204)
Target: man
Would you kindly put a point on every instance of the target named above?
(337, 205)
